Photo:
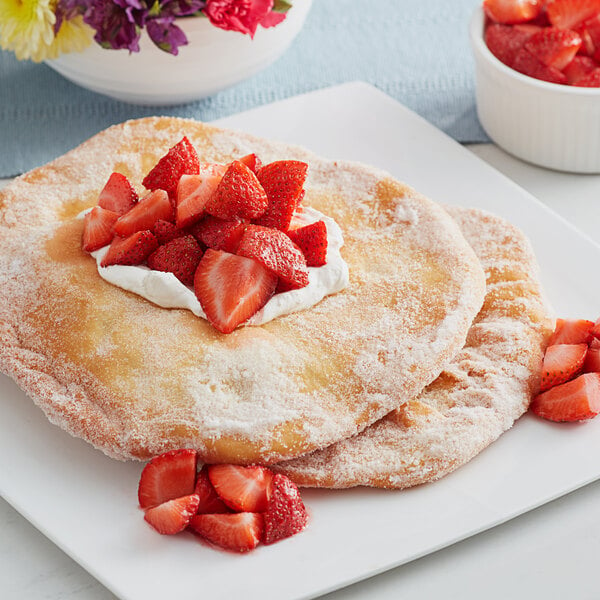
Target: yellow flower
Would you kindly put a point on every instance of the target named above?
(73, 36)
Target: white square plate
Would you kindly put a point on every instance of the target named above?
(87, 504)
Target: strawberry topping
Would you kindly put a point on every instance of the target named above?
(242, 488)
(567, 14)
(118, 194)
(512, 11)
(145, 213)
(528, 64)
(172, 516)
(252, 162)
(132, 250)
(561, 363)
(179, 256)
(193, 193)
(220, 234)
(98, 228)
(209, 499)
(312, 240)
(572, 331)
(165, 231)
(239, 532)
(504, 41)
(554, 47)
(285, 515)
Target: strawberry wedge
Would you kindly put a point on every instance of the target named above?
(118, 194)
(561, 363)
(98, 228)
(242, 488)
(239, 532)
(145, 213)
(193, 193)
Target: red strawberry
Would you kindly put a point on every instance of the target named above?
(98, 228)
(578, 68)
(194, 191)
(276, 251)
(239, 194)
(118, 194)
(174, 515)
(181, 159)
(567, 14)
(179, 256)
(209, 499)
(590, 80)
(504, 41)
(242, 488)
(145, 213)
(529, 65)
(167, 476)
(231, 288)
(218, 234)
(312, 240)
(512, 11)
(592, 361)
(282, 181)
(165, 231)
(571, 331)
(285, 515)
(240, 532)
(132, 250)
(595, 343)
(595, 330)
(561, 363)
(575, 400)
(554, 47)
(252, 162)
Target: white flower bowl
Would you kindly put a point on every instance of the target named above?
(213, 60)
(547, 124)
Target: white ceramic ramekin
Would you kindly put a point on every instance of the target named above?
(547, 124)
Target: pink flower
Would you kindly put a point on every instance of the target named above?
(241, 15)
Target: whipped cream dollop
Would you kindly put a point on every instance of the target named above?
(164, 289)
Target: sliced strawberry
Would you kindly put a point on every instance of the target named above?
(504, 41)
(167, 476)
(312, 240)
(231, 288)
(219, 234)
(98, 228)
(575, 400)
(282, 181)
(174, 515)
(590, 80)
(239, 194)
(252, 162)
(276, 251)
(567, 14)
(145, 213)
(179, 256)
(240, 532)
(561, 363)
(529, 65)
(571, 331)
(209, 499)
(578, 68)
(165, 231)
(590, 33)
(285, 515)
(592, 361)
(132, 250)
(595, 343)
(242, 488)
(181, 159)
(554, 47)
(512, 11)
(118, 194)
(194, 191)
(595, 330)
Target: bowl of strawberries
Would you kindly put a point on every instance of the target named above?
(537, 67)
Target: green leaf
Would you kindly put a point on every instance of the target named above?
(282, 6)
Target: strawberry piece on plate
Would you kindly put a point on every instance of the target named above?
(561, 363)
(528, 64)
(592, 79)
(239, 194)
(172, 516)
(245, 489)
(98, 228)
(504, 41)
(592, 361)
(312, 240)
(282, 181)
(165, 231)
(578, 68)
(132, 250)
(285, 515)
(179, 256)
(252, 162)
(240, 532)
(181, 159)
(145, 213)
(118, 194)
(512, 11)
(220, 234)
(576, 400)
(276, 251)
(231, 288)
(167, 476)
(554, 47)
(209, 499)
(194, 191)
(571, 331)
(567, 14)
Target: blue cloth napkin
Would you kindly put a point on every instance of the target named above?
(417, 51)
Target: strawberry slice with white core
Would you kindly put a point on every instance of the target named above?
(572, 331)
(592, 361)
(194, 191)
(512, 11)
(132, 250)
(239, 532)
(210, 503)
(242, 488)
(145, 213)
(576, 400)
(174, 515)
(167, 476)
(567, 14)
(578, 68)
(118, 194)
(231, 288)
(554, 47)
(98, 228)
(286, 514)
(561, 363)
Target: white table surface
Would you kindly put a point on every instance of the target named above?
(548, 553)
